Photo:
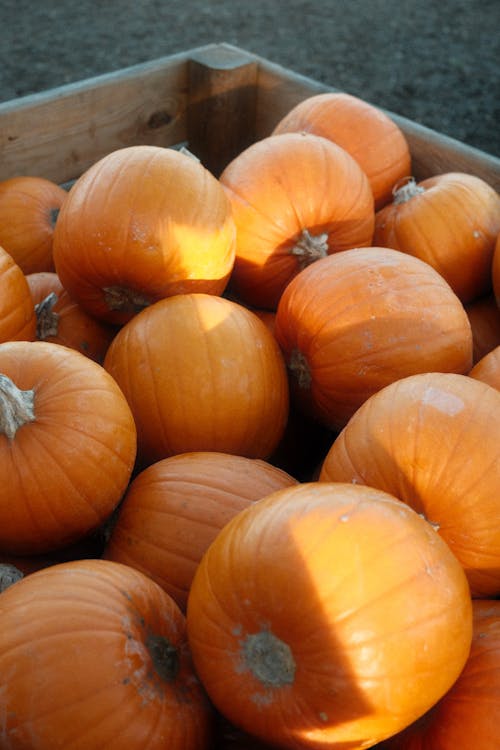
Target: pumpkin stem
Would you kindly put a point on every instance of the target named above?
(184, 150)
(299, 368)
(54, 213)
(164, 656)
(16, 407)
(46, 319)
(269, 659)
(309, 247)
(9, 574)
(435, 525)
(124, 299)
(405, 189)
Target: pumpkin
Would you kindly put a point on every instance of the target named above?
(17, 314)
(29, 207)
(433, 441)
(295, 198)
(376, 142)
(358, 320)
(468, 716)
(102, 661)
(62, 321)
(484, 318)
(487, 369)
(328, 615)
(449, 220)
(201, 373)
(173, 510)
(141, 224)
(67, 446)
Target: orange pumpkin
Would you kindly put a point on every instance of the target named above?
(29, 207)
(488, 369)
(358, 320)
(67, 446)
(295, 198)
(468, 716)
(62, 321)
(376, 142)
(449, 220)
(310, 600)
(173, 510)
(101, 660)
(201, 373)
(433, 441)
(17, 314)
(141, 224)
(484, 318)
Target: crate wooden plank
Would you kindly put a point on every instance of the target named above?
(217, 98)
(222, 104)
(61, 132)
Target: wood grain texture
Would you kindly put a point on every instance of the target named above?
(217, 99)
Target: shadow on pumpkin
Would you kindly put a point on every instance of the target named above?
(286, 651)
(261, 282)
(417, 440)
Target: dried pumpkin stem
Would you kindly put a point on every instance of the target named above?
(9, 574)
(299, 368)
(406, 189)
(47, 321)
(54, 213)
(269, 659)
(164, 656)
(310, 247)
(124, 299)
(16, 407)
(184, 150)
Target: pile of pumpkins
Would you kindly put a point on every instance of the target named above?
(250, 448)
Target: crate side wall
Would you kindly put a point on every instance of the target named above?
(60, 133)
(432, 153)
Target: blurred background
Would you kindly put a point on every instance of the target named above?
(437, 63)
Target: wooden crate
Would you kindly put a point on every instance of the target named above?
(215, 99)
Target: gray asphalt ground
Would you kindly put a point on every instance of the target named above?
(436, 62)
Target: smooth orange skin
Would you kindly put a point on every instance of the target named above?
(372, 604)
(173, 510)
(452, 225)
(64, 473)
(28, 214)
(362, 319)
(148, 219)
(201, 373)
(432, 440)
(280, 186)
(17, 314)
(468, 716)
(487, 369)
(484, 318)
(374, 140)
(76, 671)
(75, 327)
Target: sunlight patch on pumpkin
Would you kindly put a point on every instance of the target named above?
(447, 403)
